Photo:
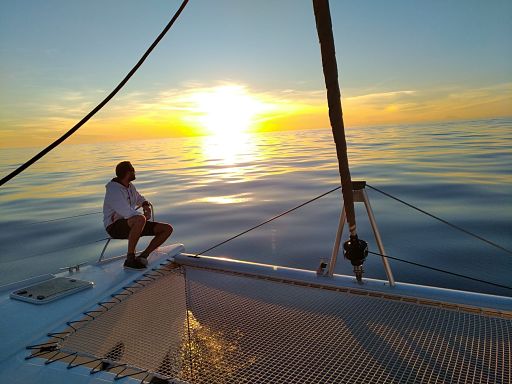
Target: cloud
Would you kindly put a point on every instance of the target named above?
(379, 96)
(434, 104)
(174, 111)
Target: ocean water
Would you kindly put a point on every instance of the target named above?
(210, 188)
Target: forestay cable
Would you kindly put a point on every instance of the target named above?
(27, 164)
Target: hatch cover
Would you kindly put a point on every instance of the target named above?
(50, 290)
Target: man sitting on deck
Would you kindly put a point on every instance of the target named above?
(123, 221)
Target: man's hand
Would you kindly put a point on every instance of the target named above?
(147, 212)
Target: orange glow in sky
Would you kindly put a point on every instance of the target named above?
(248, 69)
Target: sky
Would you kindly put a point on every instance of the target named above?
(229, 66)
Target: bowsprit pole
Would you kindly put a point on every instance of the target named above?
(355, 250)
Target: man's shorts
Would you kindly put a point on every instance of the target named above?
(120, 229)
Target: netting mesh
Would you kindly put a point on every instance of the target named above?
(145, 330)
(209, 327)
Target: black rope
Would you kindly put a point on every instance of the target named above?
(137, 372)
(71, 366)
(443, 221)
(52, 360)
(267, 221)
(27, 164)
(440, 270)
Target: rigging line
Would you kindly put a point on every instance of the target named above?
(443, 221)
(80, 215)
(268, 221)
(28, 163)
(58, 219)
(441, 270)
(66, 248)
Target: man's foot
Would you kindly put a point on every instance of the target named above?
(143, 257)
(133, 262)
(142, 260)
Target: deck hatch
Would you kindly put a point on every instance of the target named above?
(50, 290)
(201, 326)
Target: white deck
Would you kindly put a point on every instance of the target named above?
(222, 285)
(24, 324)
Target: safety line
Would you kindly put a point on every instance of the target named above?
(442, 220)
(374, 253)
(440, 270)
(28, 163)
(267, 221)
(72, 217)
(66, 248)
(56, 219)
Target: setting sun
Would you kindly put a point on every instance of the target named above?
(227, 110)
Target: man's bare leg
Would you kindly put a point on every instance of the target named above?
(162, 233)
(136, 224)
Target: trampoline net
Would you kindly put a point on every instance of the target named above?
(202, 326)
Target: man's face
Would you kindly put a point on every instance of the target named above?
(131, 174)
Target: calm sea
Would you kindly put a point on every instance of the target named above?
(211, 188)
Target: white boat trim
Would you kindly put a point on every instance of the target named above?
(426, 295)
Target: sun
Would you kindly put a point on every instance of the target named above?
(227, 109)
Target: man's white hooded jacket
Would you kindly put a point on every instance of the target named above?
(120, 202)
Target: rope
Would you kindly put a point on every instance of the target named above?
(373, 253)
(27, 164)
(443, 221)
(66, 248)
(57, 219)
(268, 221)
(302, 205)
(75, 216)
(441, 270)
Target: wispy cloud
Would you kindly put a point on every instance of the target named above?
(174, 112)
(379, 96)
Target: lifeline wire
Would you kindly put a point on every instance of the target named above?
(316, 198)
(27, 164)
(75, 216)
(70, 247)
(440, 270)
(58, 219)
(442, 220)
(374, 253)
(268, 221)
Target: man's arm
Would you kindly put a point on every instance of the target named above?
(147, 210)
(141, 201)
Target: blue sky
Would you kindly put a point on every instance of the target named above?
(81, 49)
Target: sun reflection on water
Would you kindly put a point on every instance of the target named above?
(210, 352)
(232, 157)
(230, 199)
(230, 149)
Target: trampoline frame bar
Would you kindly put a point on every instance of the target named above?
(425, 295)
